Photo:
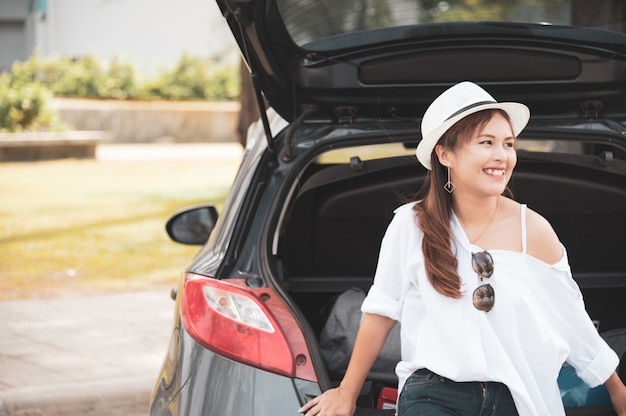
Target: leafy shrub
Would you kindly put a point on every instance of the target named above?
(24, 106)
(26, 91)
(87, 77)
(120, 82)
(79, 78)
(196, 78)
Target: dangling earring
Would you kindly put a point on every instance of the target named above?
(449, 186)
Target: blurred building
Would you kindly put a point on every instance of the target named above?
(150, 34)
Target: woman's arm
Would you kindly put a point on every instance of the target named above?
(617, 391)
(341, 401)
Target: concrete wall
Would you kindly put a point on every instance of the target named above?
(14, 39)
(153, 121)
(29, 146)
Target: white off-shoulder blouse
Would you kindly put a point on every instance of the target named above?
(538, 321)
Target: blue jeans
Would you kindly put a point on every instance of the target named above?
(428, 394)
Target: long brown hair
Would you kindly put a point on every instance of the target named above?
(435, 209)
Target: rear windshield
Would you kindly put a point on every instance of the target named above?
(537, 146)
(322, 25)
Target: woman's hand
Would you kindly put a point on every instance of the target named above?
(333, 402)
(341, 401)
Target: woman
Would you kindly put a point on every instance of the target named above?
(481, 284)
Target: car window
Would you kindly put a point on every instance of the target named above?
(380, 151)
(371, 152)
(323, 25)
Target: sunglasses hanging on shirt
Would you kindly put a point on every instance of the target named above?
(484, 296)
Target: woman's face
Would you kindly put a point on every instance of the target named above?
(485, 162)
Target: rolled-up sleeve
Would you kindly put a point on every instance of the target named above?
(589, 354)
(379, 303)
(601, 366)
(385, 297)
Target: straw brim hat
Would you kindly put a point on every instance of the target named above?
(456, 103)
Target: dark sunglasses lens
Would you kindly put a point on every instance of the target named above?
(482, 263)
(484, 297)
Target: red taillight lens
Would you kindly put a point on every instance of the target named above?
(248, 325)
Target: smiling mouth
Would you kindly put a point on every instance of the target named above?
(494, 172)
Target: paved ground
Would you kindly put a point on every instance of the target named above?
(95, 355)
(90, 356)
(169, 151)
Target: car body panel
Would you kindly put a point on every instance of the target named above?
(208, 384)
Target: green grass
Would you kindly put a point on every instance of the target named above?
(86, 226)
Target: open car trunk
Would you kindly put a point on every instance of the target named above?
(330, 239)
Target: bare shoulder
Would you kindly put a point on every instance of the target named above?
(543, 243)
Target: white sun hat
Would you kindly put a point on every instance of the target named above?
(452, 105)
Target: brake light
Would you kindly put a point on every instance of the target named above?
(249, 325)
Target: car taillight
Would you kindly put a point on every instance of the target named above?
(249, 325)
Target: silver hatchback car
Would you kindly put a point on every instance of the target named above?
(265, 311)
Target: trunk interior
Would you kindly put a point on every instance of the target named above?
(333, 229)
